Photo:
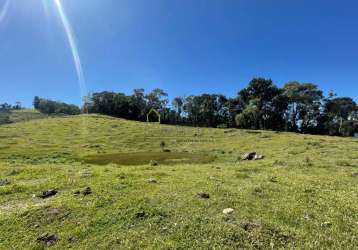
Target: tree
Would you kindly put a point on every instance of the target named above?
(264, 98)
(304, 102)
(53, 107)
(340, 113)
(178, 104)
(36, 102)
(4, 113)
(138, 104)
(157, 99)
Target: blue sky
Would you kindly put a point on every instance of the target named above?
(183, 46)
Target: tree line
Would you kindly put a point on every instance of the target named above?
(5, 110)
(296, 107)
(54, 107)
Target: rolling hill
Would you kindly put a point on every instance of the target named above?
(129, 185)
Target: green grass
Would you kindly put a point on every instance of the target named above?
(25, 115)
(303, 195)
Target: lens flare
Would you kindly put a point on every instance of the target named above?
(3, 11)
(73, 46)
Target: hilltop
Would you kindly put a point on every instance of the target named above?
(145, 179)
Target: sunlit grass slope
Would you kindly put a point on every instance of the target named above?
(303, 195)
(25, 115)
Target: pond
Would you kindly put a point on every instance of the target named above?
(141, 158)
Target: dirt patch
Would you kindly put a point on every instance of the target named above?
(141, 158)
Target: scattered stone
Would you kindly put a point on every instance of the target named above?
(77, 193)
(228, 211)
(72, 239)
(307, 217)
(140, 214)
(252, 156)
(326, 224)
(87, 191)
(258, 157)
(48, 193)
(153, 163)
(152, 180)
(204, 195)
(273, 179)
(353, 175)
(258, 190)
(4, 182)
(250, 225)
(248, 156)
(47, 238)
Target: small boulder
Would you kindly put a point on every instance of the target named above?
(77, 193)
(140, 214)
(204, 195)
(258, 157)
(47, 238)
(72, 239)
(248, 156)
(153, 163)
(252, 156)
(152, 180)
(48, 193)
(87, 191)
(250, 225)
(355, 174)
(4, 182)
(228, 211)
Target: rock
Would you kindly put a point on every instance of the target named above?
(153, 163)
(258, 157)
(326, 224)
(204, 195)
(4, 182)
(48, 193)
(50, 239)
(252, 156)
(273, 179)
(228, 211)
(249, 225)
(140, 214)
(248, 156)
(87, 191)
(355, 174)
(152, 180)
(72, 239)
(77, 193)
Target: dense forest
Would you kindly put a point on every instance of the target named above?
(296, 107)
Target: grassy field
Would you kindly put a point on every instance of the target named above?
(25, 115)
(303, 195)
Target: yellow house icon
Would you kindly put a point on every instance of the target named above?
(152, 110)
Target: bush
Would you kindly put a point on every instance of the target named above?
(4, 118)
(52, 107)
